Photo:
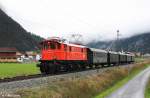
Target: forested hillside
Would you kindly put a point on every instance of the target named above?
(13, 34)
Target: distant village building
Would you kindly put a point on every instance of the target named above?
(137, 54)
(38, 57)
(147, 55)
(8, 54)
(27, 57)
(13, 55)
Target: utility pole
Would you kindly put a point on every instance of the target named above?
(118, 35)
(114, 43)
(117, 41)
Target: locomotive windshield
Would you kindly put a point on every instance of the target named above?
(50, 45)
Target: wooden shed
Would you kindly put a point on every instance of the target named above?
(8, 54)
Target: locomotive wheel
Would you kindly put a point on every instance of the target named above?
(50, 69)
(83, 67)
(91, 66)
(79, 67)
(43, 70)
(68, 67)
(57, 68)
(75, 67)
(97, 66)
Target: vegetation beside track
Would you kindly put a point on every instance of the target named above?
(134, 71)
(86, 87)
(147, 90)
(17, 69)
(139, 59)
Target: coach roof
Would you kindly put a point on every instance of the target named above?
(113, 52)
(98, 50)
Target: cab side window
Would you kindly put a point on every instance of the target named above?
(45, 46)
(65, 47)
(58, 46)
(52, 46)
(69, 48)
(82, 50)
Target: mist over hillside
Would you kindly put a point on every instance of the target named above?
(136, 43)
(13, 34)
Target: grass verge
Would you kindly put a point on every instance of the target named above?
(147, 90)
(87, 87)
(17, 69)
(117, 85)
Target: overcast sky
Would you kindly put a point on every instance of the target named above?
(94, 19)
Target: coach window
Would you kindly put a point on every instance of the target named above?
(94, 53)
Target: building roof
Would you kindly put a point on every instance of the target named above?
(8, 49)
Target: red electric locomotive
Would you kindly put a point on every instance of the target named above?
(57, 55)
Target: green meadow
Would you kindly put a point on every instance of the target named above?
(17, 69)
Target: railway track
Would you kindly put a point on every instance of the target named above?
(12, 84)
(19, 78)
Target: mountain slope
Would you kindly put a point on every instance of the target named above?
(136, 43)
(13, 35)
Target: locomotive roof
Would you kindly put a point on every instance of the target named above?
(75, 45)
(97, 50)
(69, 44)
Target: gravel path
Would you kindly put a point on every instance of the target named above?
(134, 88)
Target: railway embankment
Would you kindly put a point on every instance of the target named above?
(132, 73)
(134, 88)
(85, 84)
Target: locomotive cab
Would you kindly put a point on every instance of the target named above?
(49, 49)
